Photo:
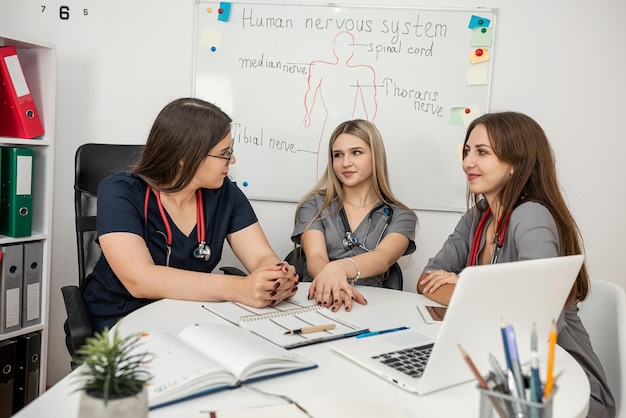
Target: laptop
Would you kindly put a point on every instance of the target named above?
(518, 293)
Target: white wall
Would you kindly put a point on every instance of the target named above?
(560, 61)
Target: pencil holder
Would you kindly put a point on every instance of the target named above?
(495, 404)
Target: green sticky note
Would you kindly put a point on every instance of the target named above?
(482, 36)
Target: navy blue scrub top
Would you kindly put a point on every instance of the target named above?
(121, 209)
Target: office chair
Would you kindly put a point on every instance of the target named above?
(394, 278)
(92, 163)
(604, 315)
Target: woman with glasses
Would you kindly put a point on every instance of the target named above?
(351, 227)
(162, 226)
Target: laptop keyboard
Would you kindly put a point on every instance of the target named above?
(411, 361)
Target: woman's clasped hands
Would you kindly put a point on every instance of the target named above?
(331, 289)
(270, 285)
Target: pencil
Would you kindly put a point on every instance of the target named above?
(550, 374)
(481, 381)
(308, 330)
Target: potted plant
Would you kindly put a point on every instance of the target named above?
(112, 376)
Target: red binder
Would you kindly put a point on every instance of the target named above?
(18, 114)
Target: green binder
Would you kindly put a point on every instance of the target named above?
(16, 179)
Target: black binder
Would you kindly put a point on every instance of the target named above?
(7, 377)
(27, 373)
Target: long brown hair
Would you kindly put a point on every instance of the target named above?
(329, 185)
(518, 140)
(185, 130)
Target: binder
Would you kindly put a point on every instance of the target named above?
(7, 377)
(18, 113)
(11, 279)
(26, 386)
(31, 283)
(16, 178)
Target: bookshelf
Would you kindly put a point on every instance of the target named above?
(38, 61)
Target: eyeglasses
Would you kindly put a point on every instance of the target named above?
(226, 157)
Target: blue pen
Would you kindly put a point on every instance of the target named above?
(384, 331)
(515, 366)
(507, 355)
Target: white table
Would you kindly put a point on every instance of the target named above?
(335, 377)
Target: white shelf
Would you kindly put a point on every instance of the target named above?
(38, 62)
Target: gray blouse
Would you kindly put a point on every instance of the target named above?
(382, 220)
(532, 234)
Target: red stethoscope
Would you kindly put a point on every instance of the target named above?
(202, 251)
(499, 240)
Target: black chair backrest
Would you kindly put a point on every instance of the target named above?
(394, 279)
(94, 162)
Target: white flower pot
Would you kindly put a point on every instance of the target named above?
(128, 407)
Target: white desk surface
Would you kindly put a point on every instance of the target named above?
(335, 378)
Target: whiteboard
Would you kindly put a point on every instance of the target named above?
(288, 74)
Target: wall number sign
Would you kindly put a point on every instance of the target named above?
(65, 12)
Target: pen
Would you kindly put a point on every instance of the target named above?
(535, 382)
(501, 379)
(507, 356)
(481, 381)
(515, 366)
(550, 374)
(308, 330)
(384, 331)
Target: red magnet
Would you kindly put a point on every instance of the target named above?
(479, 52)
(467, 110)
(220, 11)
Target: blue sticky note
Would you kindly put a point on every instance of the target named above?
(224, 13)
(478, 22)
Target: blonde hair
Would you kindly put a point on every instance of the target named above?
(329, 187)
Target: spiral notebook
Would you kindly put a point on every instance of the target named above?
(272, 322)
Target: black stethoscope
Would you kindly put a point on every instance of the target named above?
(499, 240)
(202, 251)
(349, 240)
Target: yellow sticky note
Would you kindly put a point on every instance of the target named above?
(459, 152)
(210, 38)
(479, 55)
(477, 74)
(469, 114)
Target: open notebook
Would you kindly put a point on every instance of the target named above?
(297, 312)
(519, 293)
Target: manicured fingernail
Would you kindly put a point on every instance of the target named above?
(272, 302)
(324, 302)
(336, 300)
(277, 285)
(319, 303)
(295, 289)
(279, 264)
(352, 297)
(273, 293)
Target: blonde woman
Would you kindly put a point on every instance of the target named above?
(351, 227)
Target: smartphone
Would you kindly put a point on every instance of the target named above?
(432, 314)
